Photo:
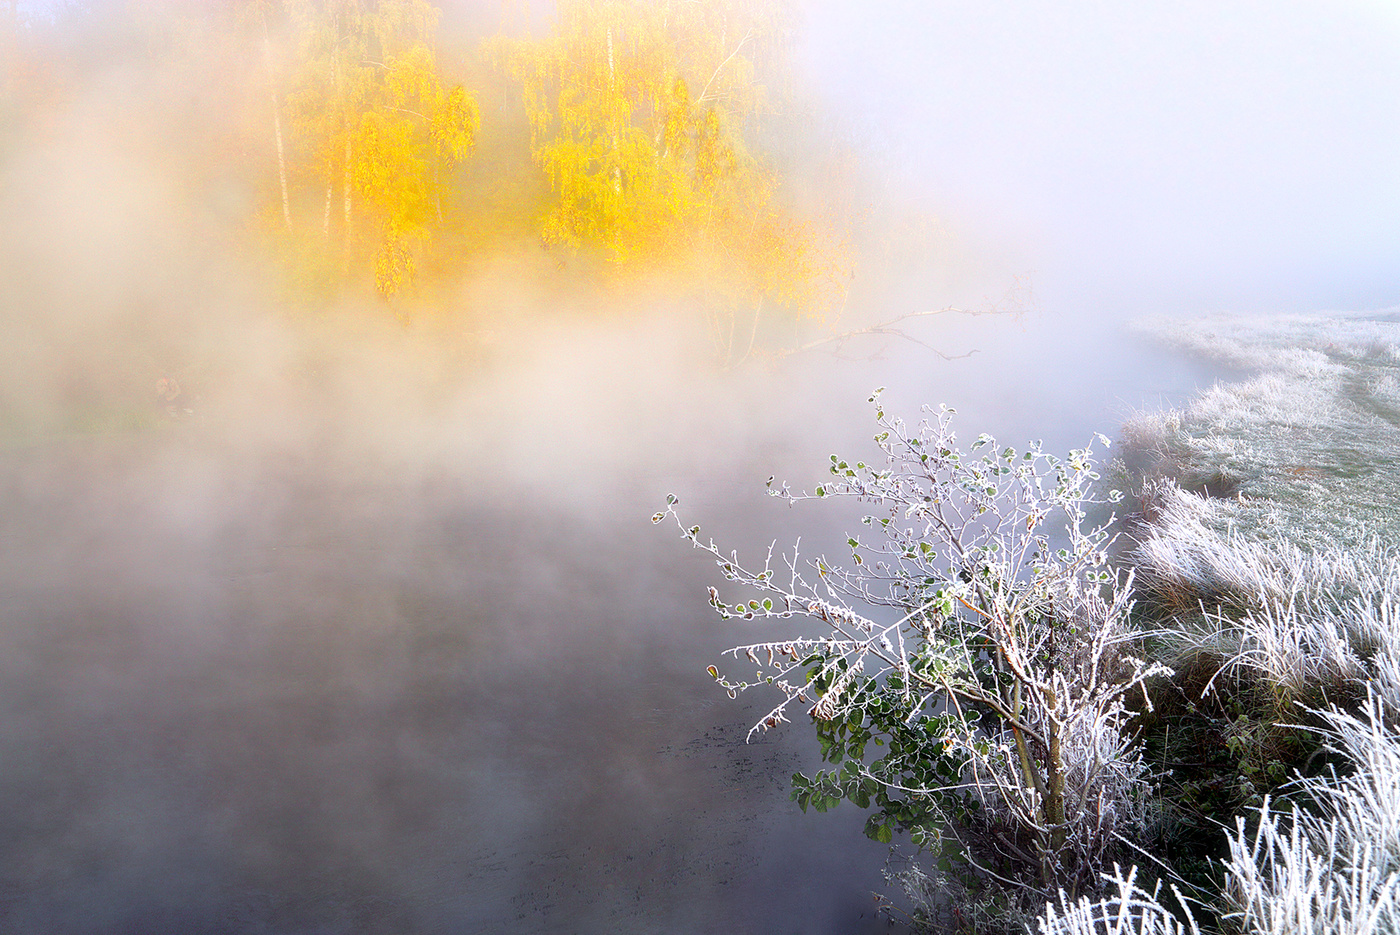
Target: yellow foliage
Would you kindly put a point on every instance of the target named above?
(647, 169)
(641, 116)
(376, 124)
(390, 170)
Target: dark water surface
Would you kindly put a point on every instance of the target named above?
(446, 678)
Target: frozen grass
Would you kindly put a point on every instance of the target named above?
(1309, 444)
(1296, 343)
(1311, 624)
(1265, 504)
(1336, 869)
(1128, 911)
(1267, 509)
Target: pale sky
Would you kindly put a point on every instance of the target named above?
(1210, 154)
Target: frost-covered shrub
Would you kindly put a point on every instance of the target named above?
(967, 674)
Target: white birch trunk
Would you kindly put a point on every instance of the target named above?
(326, 219)
(277, 127)
(612, 82)
(348, 196)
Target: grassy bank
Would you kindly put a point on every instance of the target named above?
(1262, 547)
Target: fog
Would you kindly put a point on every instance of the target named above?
(363, 627)
(1197, 155)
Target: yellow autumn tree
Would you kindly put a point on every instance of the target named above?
(640, 112)
(409, 140)
(375, 122)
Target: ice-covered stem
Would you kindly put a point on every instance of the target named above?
(1126, 910)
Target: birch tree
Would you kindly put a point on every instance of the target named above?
(260, 8)
(381, 125)
(640, 114)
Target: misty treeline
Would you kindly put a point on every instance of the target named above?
(625, 137)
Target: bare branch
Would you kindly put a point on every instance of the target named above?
(704, 94)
